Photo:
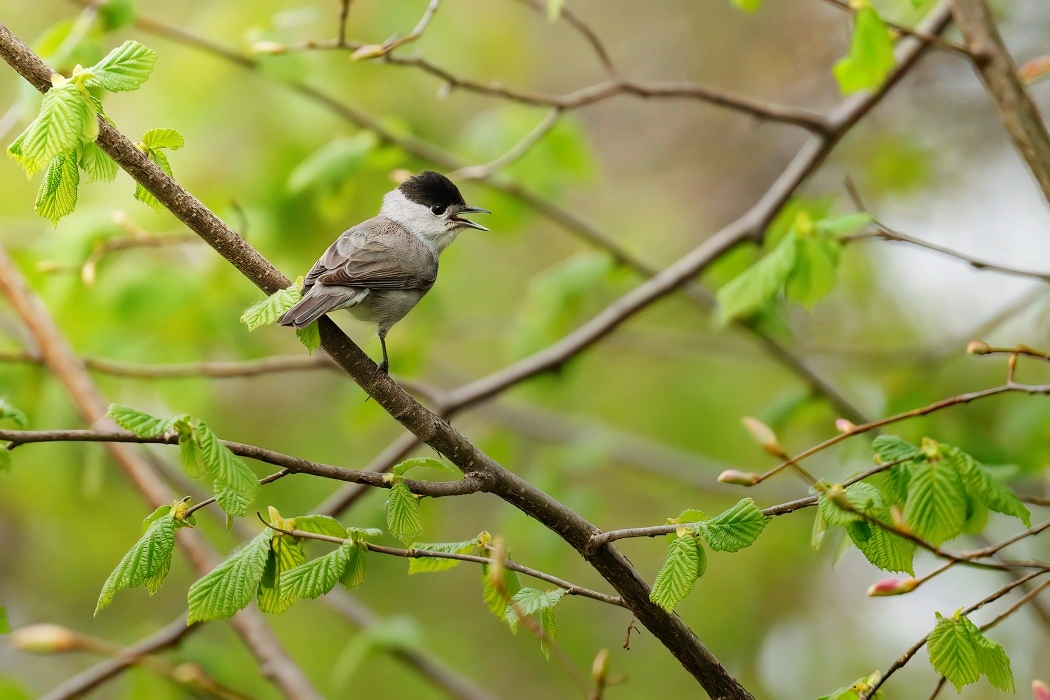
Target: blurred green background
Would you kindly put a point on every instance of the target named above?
(630, 433)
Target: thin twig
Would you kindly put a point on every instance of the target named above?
(479, 172)
(375, 51)
(937, 41)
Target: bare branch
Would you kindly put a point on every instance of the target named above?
(999, 73)
(376, 51)
(478, 172)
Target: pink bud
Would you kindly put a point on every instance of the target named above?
(735, 476)
(1040, 690)
(763, 435)
(844, 426)
(892, 586)
(1033, 71)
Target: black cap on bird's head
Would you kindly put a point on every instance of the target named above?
(439, 194)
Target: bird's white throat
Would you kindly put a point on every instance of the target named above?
(436, 231)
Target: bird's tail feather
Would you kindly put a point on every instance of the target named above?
(318, 302)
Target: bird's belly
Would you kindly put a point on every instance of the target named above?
(386, 307)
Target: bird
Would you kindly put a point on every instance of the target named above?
(379, 269)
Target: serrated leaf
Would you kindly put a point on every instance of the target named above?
(936, 505)
(356, 565)
(813, 275)
(430, 564)
(286, 554)
(149, 559)
(320, 525)
(138, 422)
(431, 462)
(757, 286)
(235, 485)
(229, 587)
(360, 533)
(403, 517)
(735, 528)
(156, 515)
(57, 196)
(63, 121)
(884, 549)
(984, 488)
(528, 601)
(97, 163)
(317, 576)
(992, 658)
(310, 336)
(890, 448)
(870, 57)
(124, 68)
(953, 652)
(686, 562)
(10, 411)
(550, 631)
(190, 457)
(15, 151)
(141, 193)
(843, 225)
(270, 309)
(494, 599)
(163, 138)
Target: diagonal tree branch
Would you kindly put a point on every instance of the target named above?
(999, 74)
(694, 656)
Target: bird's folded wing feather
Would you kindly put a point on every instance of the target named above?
(376, 254)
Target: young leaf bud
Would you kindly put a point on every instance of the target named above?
(978, 347)
(368, 51)
(844, 426)
(45, 639)
(735, 476)
(600, 668)
(892, 586)
(270, 47)
(763, 435)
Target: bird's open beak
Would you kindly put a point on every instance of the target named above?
(467, 222)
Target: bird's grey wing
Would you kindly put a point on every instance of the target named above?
(376, 254)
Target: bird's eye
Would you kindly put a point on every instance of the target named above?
(438, 209)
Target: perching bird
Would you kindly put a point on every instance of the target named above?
(381, 268)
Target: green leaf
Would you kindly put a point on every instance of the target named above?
(734, 529)
(528, 601)
(286, 554)
(747, 5)
(890, 448)
(64, 119)
(135, 421)
(318, 576)
(356, 565)
(852, 692)
(97, 163)
(428, 564)
(5, 457)
(155, 516)
(229, 587)
(431, 462)
(9, 410)
(689, 516)
(235, 485)
(190, 457)
(147, 562)
(686, 562)
(270, 309)
(550, 631)
(843, 225)
(936, 505)
(124, 68)
(757, 286)
(360, 533)
(494, 599)
(57, 196)
(320, 525)
(813, 275)
(141, 193)
(163, 138)
(870, 57)
(310, 336)
(994, 662)
(953, 652)
(984, 488)
(403, 517)
(884, 549)
(5, 626)
(30, 165)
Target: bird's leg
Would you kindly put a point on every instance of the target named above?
(384, 366)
